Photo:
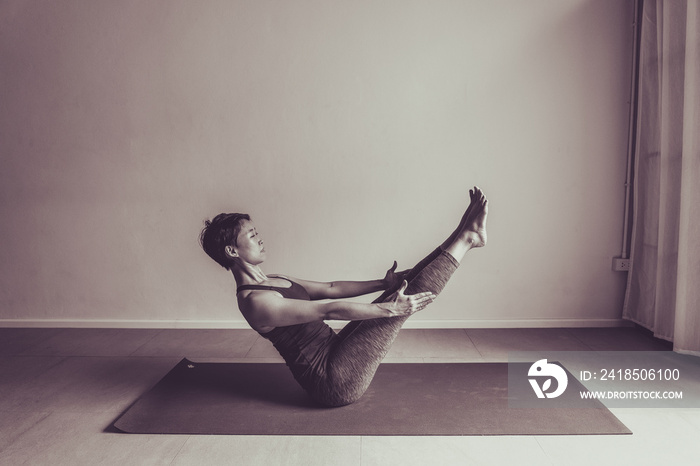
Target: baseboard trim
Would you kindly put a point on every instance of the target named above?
(237, 324)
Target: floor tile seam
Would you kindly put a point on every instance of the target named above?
(37, 343)
(688, 424)
(58, 410)
(466, 332)
(453, 360)
(251, 346)
(179, 357)
(359, 459)
(97, 356)
(47, 414)
(146, 342)
(179, 450)
(573, 335)
(33, 356)
(544, 452)
(60, 360)
(59, 332)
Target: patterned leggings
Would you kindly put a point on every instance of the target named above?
(361, 345)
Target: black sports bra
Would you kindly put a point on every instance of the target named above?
(296, 291)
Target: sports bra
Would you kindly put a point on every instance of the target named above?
(304, 347)
(296, 291)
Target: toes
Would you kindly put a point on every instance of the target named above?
(484, 213)
(477, 197)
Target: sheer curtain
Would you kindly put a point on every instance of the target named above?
(663, 289)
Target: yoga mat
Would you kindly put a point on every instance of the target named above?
(403, 399)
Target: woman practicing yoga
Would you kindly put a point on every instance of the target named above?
(334, 368)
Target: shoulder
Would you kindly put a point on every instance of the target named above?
(257, 305)
(316, 290)
(265, 310)
(256, 299)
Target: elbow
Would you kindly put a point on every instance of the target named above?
(262, 321)
(331, 311)
(333, 291)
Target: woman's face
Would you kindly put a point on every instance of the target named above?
(249, 244)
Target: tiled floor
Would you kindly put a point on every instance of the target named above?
(60, 390)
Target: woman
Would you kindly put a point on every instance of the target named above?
(335, 369)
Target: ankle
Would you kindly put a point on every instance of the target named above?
(472, 239)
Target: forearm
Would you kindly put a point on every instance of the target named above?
(264, 310)
(350, 289)
(343, 310)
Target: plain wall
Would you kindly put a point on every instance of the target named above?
(350, 131)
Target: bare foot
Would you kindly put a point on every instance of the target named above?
(473, 224)
(466, 217)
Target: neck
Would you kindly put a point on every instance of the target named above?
(248, 274)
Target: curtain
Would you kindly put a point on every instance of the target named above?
(663, 289)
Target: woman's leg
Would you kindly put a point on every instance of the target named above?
(362, 345)
(452, 245)
(351, 326)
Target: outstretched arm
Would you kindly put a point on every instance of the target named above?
(264, 310)
(350, 289)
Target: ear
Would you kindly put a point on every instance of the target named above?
(230, 251)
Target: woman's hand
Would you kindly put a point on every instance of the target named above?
(392, 278)
(401, 304)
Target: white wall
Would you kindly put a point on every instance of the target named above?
(351, 131)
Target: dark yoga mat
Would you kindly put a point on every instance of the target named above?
(403, 399)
